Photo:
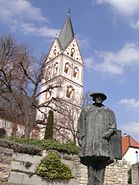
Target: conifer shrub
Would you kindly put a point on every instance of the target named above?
(49, 126)
(51, 168)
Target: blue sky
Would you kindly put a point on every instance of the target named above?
(108, 35)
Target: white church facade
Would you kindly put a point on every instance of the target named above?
(63, 68)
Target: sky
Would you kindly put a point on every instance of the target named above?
(108, 36)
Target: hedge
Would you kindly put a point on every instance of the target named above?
(34, 147)
(21, 148)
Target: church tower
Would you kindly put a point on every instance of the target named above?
(63, 68)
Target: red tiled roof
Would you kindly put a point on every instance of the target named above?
(128, 141)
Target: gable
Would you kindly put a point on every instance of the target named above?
(73, 51)
(54, 51)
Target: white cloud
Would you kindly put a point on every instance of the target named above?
(89, 63)
(83, 41)
(124, 7)
(130, 103)
(21, 15)
(131, 128)
(20, 9)
(134, 24)
(44, 31)
(115, 63)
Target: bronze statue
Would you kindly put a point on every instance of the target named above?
(97, 138)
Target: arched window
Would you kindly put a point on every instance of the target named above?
(67, 68)
(72, 52)
(54, 53)
(56, 68)
(48, 73)
(76, 72)
(70, 91)
(49, 92)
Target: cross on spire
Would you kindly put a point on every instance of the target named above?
(69, 11)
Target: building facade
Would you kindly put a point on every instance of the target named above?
(130, 149)
(63, 70)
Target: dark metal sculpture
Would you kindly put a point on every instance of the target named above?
(99, 139)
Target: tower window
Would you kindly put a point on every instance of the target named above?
(70, 92)
(67, 67)
(49, 91)
(76, 72)
(56, 68)
(48, 73)
(54, 53)
(72, 52)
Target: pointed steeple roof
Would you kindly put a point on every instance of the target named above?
(67, 33)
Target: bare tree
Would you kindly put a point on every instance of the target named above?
(66, 116)
(20, 78)
(65, 120)
(87, 99)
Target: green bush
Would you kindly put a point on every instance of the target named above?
(49, 144)
(21, 148)
(51, 168)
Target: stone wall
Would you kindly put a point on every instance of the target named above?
(116, 173)
(135, 174)
(24, 175)
(5, 163)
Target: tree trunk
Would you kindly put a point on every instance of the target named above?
(27, 132)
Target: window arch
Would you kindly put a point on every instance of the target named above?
(67, 68)
(48, 73)
(49, 92)
(56, 68)
(76, 72)
(54, 53)
(72, 52)
(70, 91)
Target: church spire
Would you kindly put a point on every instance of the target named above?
(67, 34)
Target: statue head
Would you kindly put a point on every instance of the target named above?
(98, 97)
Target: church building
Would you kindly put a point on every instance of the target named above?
(63, 68)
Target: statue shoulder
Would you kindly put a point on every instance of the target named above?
(108, 110)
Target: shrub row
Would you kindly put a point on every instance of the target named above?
(68, 147)
(21, 148)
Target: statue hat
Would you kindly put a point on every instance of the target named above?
(100, 94)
